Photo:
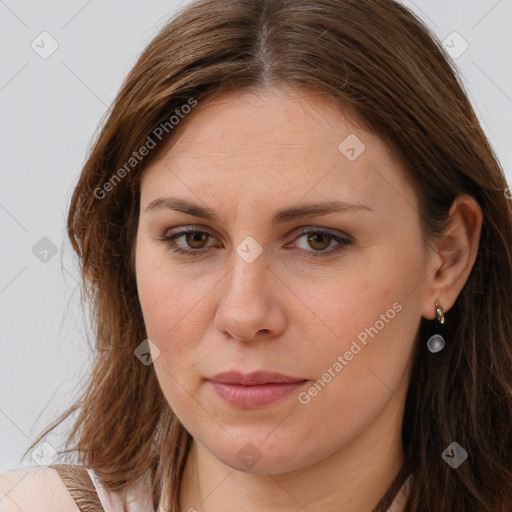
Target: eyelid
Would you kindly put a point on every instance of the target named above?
(334, 232)
(189, 229)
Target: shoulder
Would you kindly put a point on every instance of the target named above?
(34, 489)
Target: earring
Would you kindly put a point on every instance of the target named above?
(436, 342)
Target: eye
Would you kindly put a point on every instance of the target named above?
(195, 240)
(320, 239)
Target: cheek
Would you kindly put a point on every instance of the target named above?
(167, 308)
(174, 305)
(372, 315)
(170, 319)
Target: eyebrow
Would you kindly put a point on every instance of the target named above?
(280, 217)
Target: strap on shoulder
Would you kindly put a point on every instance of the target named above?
(80, 486)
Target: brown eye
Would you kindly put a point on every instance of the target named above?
(319, 241)
(195, 239)
(194, 242)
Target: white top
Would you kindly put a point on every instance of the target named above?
(139, 496)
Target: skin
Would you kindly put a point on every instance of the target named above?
(246, 155)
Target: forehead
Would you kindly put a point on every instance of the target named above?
(289, 118)
(300, 143)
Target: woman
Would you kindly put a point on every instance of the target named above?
(297, 240)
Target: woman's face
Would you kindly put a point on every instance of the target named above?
(288, 296)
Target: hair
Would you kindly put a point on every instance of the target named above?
(378, 59)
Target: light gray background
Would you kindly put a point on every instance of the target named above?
(49, 111)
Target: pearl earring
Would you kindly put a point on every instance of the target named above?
(436, 342)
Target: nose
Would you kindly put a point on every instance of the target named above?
(250, 306)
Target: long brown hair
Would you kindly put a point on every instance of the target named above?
(377, 58)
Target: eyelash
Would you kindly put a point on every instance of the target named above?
(169, 240)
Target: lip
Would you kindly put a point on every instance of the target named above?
(254, 378)
(254, 390)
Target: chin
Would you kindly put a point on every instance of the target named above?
(258, 454)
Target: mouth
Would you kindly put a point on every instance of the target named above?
(254, 390)
(254, 378)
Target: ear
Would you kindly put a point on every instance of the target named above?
(454, 255)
